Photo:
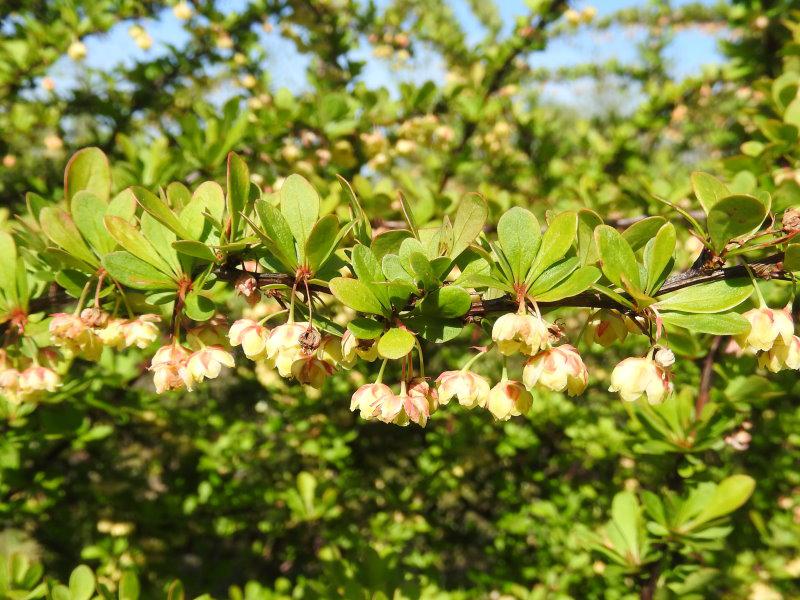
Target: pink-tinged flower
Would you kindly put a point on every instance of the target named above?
(471, 389)
(94, 317)
(206, 363)
(113, 334)
(368, 398)
(739, 440)
(606, 328)
(38, 379)
(781, 356)
(405, 407)
(515, 333)
(142, 331)
(167, 365)
(251, 336)
(508, 399)
(557, 369)
(420, 388)
(9, 380)
(312, 371)
(636, 377)
(354, 348)
(766, 326)
(283, 346)
(213, 332)
(67, 329)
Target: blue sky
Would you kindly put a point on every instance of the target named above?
(690, 51)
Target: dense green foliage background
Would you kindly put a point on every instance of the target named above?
(256, 488)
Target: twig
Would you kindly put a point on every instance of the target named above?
(707, 376)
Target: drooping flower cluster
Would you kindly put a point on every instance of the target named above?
(771, 337)
(647, 376)
(28, 383)
(86, 334)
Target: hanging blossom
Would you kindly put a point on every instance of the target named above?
(558, 369)
(515, 332)
(508, 399)
(635, 377)
(471, 389)
(782, 355)
(767, 326)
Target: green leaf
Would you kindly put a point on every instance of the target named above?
(198, 307)
(791, 259)
(638, 234)
(58, 225)
(158, 208)
(355, 294)
(128, 586)
(238, 190)
(625, 516)
(389, 242)
(134, 241)
(729, 495)
(300, 206)
(395, 343)
(658, 256)
(87, 212)
(423, 270)
(708, 189)
(178, 196)
(365, 329)
(555, 243)
(588, 220)
(734, 216)
(520, 238)
(277, 229)
(409, 216)
(161, 238)
(616, 256)
(729, 323)
(447, 302)
(88, 170)
(8, 267)
(322, 241)
(195, 249)
(123, 205)
(81, 583)
(468, 223)
(580, 281)
(207, 198)
(715, 297)
(135, 273)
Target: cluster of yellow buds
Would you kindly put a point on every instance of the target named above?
(771, 337)
(86, 334)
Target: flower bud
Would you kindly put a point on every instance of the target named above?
(247, 286)
(520, 333)
(368, 398)
(664, 357)
(94, 317)
(142, 331)
(471, 390)
(205, 364)
(606, 328)
(283, 346)
(635, 377)
(557, 369)
(781, 356)
(766, 326)
(251, 336)
(508, 399)
(420, 388)
(38, 379)
(353, 348)
(312, 371)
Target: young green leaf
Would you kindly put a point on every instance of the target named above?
(355, 294)
(734, 216)
(195, 249)
(365, 329)
(395, 343)
(159, 209)
(135, 273)
(708, 189)
(81, 583)
(715, 297)
(658, 256)
(300, 207)
(134, 241)
(726, 323)
(520, 238)
(58, 225)
(88, 170)
(87, 212)
(555, 243)
(322, 241)
(638, 234)
(468, 223)
(730, 494)
(580, 281)
(238, 190)
(616, 257)
(447, 302)
(8, 267)
(277, 229)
